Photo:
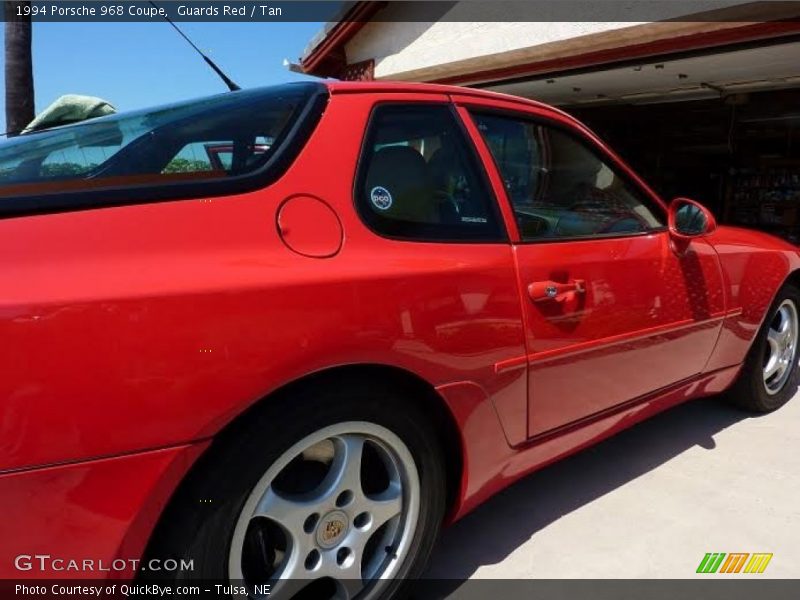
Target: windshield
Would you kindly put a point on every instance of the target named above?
(212, 138)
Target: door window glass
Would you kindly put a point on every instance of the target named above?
(558, 186)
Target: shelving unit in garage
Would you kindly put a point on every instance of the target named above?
(767, 199)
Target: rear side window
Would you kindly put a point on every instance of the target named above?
(419, 178)
(214, 143)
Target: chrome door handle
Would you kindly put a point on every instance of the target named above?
(541, 291)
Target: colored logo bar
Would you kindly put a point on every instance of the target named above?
(734, 562)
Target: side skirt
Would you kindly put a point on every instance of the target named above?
(551, 446)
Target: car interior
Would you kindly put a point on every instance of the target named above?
(419, 158)
(559, 187)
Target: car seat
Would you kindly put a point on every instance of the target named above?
(403, 172)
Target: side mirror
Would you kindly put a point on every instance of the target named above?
(688, 219)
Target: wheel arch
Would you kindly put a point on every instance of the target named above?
(417, 389)
(755, 267)
(793, 278)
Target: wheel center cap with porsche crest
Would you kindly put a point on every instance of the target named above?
(332, 528)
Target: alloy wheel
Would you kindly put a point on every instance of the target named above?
(333, 517)
(781, 350)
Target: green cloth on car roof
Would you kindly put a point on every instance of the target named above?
(70, 108)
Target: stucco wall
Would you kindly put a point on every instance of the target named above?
(401, 47)
(425, 51)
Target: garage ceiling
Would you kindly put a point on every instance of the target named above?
(693, 78)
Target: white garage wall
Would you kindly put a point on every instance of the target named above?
(424, 51)
(403, 48)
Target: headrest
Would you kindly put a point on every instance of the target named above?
(403, 173)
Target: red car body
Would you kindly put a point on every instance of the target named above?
(133, 335)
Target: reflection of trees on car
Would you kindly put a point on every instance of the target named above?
(186, 165)
(63, 169)
(67, 169)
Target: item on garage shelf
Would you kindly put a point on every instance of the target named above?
(768, 199)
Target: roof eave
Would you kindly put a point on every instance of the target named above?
(327, 58)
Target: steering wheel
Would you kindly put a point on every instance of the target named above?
(631, 216)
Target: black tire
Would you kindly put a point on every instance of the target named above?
(749, 392)
(199, 522)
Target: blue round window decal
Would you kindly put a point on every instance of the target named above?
(380, 197)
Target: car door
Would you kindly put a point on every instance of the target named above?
(613, 310)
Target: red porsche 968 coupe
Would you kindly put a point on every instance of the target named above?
(280, 336)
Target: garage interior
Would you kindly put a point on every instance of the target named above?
(722, 128)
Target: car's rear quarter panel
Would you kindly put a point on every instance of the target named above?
(142, 326)
(98, 511)
(136, 328)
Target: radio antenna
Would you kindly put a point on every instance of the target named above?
(228, 81)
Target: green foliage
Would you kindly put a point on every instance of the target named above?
(71, 169)
(186, 165)
(52, 170)
(66, 169)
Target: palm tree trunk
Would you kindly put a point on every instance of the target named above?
(19, 68)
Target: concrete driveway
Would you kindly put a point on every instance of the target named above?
(648, 503)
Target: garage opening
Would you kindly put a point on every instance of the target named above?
(721, 127)
(739, 154)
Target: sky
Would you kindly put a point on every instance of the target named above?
(135, 65)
